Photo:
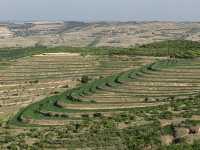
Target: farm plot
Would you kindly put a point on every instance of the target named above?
(147, 86)
(178, 81)
(30, 79)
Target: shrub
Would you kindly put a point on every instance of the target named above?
(146, 99)
(97, 115)
(84, 79)
(85, 116)
(34, 81)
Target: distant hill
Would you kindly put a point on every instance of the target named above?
(96, 34)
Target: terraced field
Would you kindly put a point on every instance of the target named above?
(152, 85)
(30, 79)
(155, 85)
(108, 99)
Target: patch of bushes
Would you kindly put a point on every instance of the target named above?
(171, 48)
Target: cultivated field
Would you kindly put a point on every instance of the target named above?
(151, 85)
(30, 79)
(117, 99)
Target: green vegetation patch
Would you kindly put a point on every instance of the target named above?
(172, 48)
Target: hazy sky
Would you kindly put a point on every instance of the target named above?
(100, 10)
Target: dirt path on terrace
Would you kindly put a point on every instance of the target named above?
(100, 106)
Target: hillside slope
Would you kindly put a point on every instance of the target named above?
(97, 34)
